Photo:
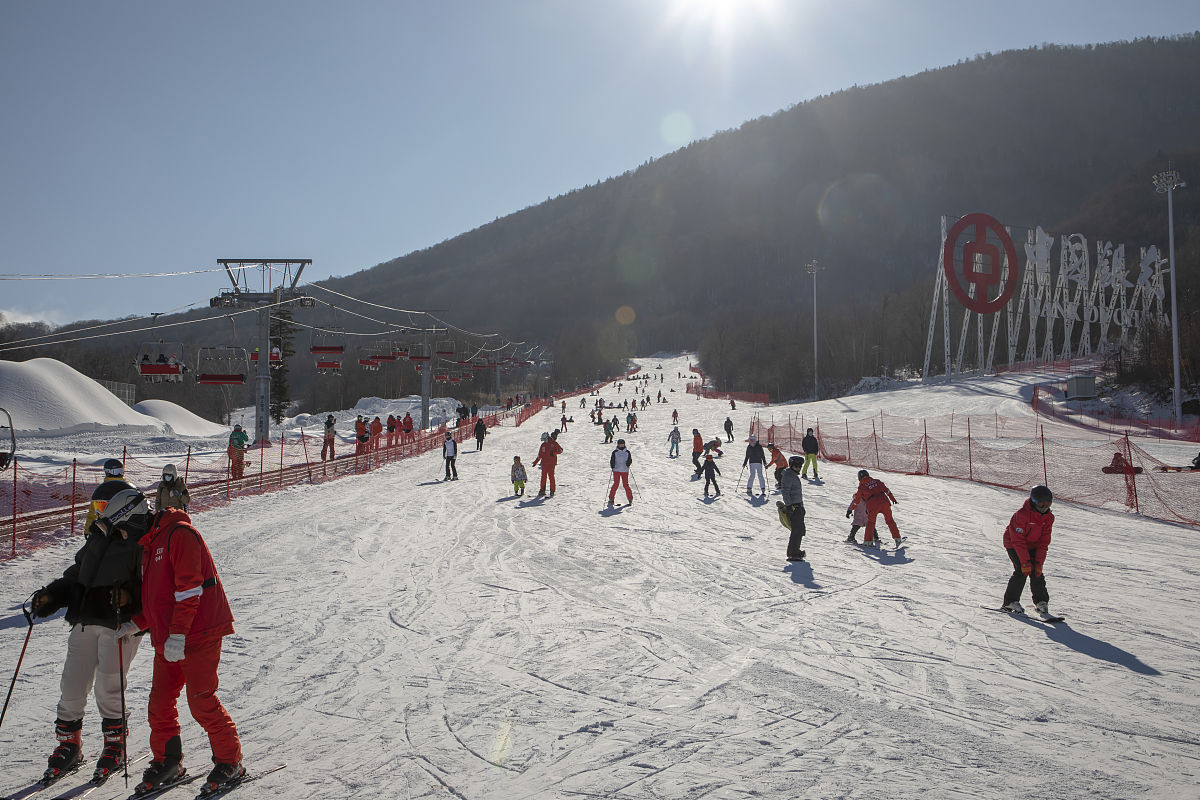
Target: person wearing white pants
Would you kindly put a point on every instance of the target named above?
(101, 592)
(756, 458)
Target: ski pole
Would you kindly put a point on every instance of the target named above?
(635, 486)
(29, 619)
(121, 668)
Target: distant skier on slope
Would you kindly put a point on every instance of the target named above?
(548, 458)
(811, 447)
(619, 462)
(757, 459)
(518, 477)
(1026, 539)
(674, 437)
(480, 431)
(330, 435)
(711, 471)
(729, 429)
(697, 449)
(449, 455)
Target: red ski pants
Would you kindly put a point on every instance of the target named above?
(198, 672)
(618, 479)
(873, 512)
(548, 474)
(327, 446)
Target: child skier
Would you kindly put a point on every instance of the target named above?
(1026, 539)
(674, 437)
(756, 458)
(778, 461)
(711, 471)
(859, 510)
(518, 477)
(811, 447)
(879, 500)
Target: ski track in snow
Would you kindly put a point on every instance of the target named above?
(398, 636)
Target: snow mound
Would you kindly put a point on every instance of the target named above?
(48, 397)
(182, 421)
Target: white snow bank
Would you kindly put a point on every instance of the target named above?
(182, 421)
(47, 397)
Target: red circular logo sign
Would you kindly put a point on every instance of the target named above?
(981, 264)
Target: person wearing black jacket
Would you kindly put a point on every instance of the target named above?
(480, 432)
(101, 592)
(729, 428)
(810, 447)
(756, 458)
(711, 471)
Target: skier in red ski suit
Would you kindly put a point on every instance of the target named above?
(186, 611)
(879, 499)
(548, 457)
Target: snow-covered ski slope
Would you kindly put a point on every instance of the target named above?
(402, 637)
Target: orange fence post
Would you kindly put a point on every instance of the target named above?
(925, 441)
(875, 438)
(73, 468)
(304, 445)
(14, 542)
(848, 461)
(970, 466)
(281, 440)
(187, 465)
(1045, 472)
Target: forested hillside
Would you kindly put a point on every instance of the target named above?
(705, 248)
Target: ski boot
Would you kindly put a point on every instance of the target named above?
(113, 753)
(1043, 608)
(166, 770)
(223, 776)
(67, 757)
(851, 539)
(1013, 608)
(610, 502)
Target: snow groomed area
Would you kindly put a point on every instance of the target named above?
(398, 636)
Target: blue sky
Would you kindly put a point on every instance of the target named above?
(161, 135)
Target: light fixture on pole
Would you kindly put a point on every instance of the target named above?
(1166, 183)
(812, 268)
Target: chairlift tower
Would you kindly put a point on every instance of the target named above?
(277, 280)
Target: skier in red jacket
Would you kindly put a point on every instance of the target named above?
(376, 428)
(186, 611)
(548, 457)
(1026, 539)
(879, 499)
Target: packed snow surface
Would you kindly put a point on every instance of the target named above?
(182, 421)
(400, 636)
(48, 397)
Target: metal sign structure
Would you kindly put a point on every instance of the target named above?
(1083, 308)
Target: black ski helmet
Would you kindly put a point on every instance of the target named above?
(862, 473)
(796, 463)
(1041, 494)
(113, 468)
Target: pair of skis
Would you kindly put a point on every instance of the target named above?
(204, 794)
(86, 789)
(1036, 617)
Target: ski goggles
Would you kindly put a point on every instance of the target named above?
(98, 506)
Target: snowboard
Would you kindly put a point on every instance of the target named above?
(783, 517)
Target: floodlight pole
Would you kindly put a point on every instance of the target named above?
(1166, 183)
(426, 379)
(812, 268)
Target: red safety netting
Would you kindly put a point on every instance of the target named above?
(1115, 424)
(36, 506)
(703, 390)
(1102, 471)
